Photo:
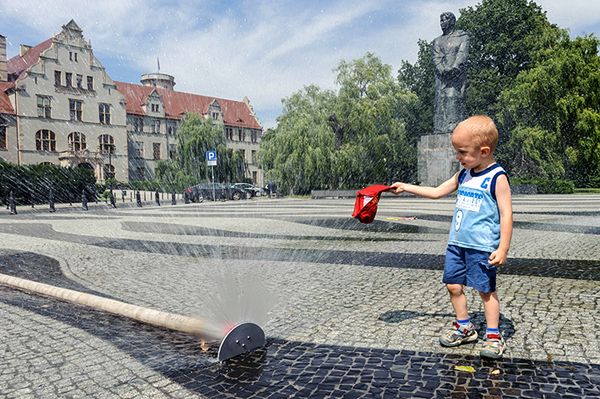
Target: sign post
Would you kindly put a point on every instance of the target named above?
(211, 160)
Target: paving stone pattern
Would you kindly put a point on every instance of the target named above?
(350, 310)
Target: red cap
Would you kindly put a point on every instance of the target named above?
(367, 199)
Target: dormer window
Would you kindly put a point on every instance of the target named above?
(215, 116)
(155, 107)
(73, 56)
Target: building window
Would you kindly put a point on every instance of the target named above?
(253, 154)
(154, 107)
(77, 141)
(138, 124)
(172, 151)
(109, 172)
(243, 155)
(90, 83)
(156, 150)
(139, 149)
(156, 126)
(75, 109)
(215, 116)
(171, 128)
(104, 113)
(45, 140)
(72, 56)
(2, 137)
(229, 133)
(241, 135)
(254, 177)
(106, 144)
(44, 107)
(57, 78)
(79, 80)
(69, 79)
(254, 136)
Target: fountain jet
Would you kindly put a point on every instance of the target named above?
(242, 338)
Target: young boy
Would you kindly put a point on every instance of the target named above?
(480, 233)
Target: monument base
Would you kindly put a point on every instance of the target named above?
(436, 161)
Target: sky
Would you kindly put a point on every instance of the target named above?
(265, 50)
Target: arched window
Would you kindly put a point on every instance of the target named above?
(106, 144)
(77, 141)
(45, 140)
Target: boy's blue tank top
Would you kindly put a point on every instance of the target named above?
(476, 221)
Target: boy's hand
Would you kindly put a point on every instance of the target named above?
(498, 257)
(399, 187)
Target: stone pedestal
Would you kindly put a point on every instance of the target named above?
(436, 159)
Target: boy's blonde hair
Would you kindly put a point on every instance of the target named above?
(483, 130)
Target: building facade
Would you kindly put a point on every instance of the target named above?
(59, 105)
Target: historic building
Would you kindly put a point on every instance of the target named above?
(59, 105)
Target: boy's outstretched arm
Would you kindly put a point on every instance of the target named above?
(504, 200)
(440, 191)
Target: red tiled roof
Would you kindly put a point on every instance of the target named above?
(17, 65)
(5, 104)
(235, 113)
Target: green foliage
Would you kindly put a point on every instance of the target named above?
(558, 100)
(505, 38)
(547, 186)
(297, 154)
(419, 79)
(531, 152)
(195, 137)
(303, 153)
(31, 184)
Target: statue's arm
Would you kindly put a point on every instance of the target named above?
(462, 54)
(438, 57)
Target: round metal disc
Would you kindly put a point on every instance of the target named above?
(243, 338)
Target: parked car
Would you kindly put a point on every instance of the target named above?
(216, 191)
(252, 189)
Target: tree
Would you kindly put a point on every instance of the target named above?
(303, 152)
(557, 103)
(372, 109)
(297, 154)
(195, 137)
(419, 79)
(505, 38)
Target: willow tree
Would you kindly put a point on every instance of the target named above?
(372, 109)
(297, 154)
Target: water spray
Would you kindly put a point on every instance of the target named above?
(236, 340)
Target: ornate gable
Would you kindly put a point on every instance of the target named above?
(73, 35)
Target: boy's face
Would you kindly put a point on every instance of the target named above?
(468, 153)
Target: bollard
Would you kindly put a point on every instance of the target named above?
(173, 198)
(157, 197)
(138, 199)
(84, 202)
(12, 203)
(113, 203)
(51, 201)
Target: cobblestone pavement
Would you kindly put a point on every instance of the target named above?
(350, 310)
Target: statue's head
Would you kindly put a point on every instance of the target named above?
(447, 22)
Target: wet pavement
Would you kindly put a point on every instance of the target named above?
(349, 310)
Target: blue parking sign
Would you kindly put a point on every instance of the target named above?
(211, 155)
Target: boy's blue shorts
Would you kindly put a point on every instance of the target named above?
(469, 267)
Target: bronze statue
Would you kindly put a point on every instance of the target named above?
(450, 52)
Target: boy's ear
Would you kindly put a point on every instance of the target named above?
(485, 150)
